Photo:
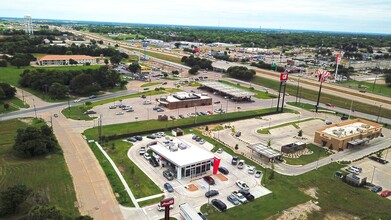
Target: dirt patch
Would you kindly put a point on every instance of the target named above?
(221, 177)
(298, 212)
(191, 187)
(311, 192)
(340, 216)
(28, 121)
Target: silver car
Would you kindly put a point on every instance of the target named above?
(233, 200)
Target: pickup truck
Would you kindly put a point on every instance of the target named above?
(239, 197)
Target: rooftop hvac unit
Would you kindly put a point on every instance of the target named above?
(365, 126)
(173, 148)
(182, 146)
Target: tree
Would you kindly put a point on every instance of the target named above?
(73, 62)
(134, 67)
(106, 61)
(18, 62)
(300, 133)
(69, 52)
(9, 91)
(58, 91)
(175, 72)
(84, 84)
(165, 74)
(388, 79)
(177, 44)
(12, 198)
(116, 59)
(271, 176)
(6, 106)
(194, 70)
(240, 72)
(379, 153)
(88, 103)
(45, 212)
(3, 63)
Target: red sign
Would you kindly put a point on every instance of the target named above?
(167, 202)
(216, 163)
(283, 76)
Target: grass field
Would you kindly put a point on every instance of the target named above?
(325, 98)
(335, 197)
(259, 94)
(15, 104)
(380, 89)
(161, 56)
(318, 152)
(48, 176)
(150, 84)
(267, 130)
(151, 201)
(307, 106)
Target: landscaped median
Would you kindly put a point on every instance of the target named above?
(14, 105)
(294, 124)
(317, 153)
(78, 112)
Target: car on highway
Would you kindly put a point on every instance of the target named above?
(76, 100)
(220, 205)
(233, 200)
(209, 180)
(92, 96)
(223, 170)
(169, 187)
(211, 193)
(247, 194)
(242, 185)
(147, 156)
(386, 193)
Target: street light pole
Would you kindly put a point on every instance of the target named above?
(373, 174)
(378, 115)
(35, 110)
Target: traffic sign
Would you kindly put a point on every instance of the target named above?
(283, 77)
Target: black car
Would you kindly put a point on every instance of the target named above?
(247, 194)
(220, 205)
(211, 193)
(181, 116)
(344, 117)
(235, 160)
(139, 138)
(132, 139)
(151, 136)
(209, 180)
(202, 216)
(223, 170)
(153, 162)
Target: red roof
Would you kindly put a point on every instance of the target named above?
(65, 57)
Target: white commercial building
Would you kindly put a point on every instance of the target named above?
(187, 159)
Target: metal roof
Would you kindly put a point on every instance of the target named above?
(265, 150)
(358, 141)
(227, 89)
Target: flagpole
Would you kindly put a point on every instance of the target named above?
(336, 69)
(350, 112)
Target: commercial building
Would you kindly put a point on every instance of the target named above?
(64, 59)
(184, 100)
(187, 160)
(347, 134)
(266, 152)
(231, 92)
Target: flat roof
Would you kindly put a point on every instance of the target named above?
(264, 150)
(227, 89)
(347, 130)
(185, 153)
(181, 96)
(65, 57)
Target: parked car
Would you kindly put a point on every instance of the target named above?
(151, 136)
(130, 110)
(211, 193)
(220, 205)
(147, 102)
(172, 117)
(181, 116)
(112, 107)
(160, 110)
(251, 170)
(239, 197)
(219, 151)
(132, 139)
(168, 175)
(328, 122)
(156, 108)
(142, 150)
(233, 200)
(202, 141)
(169, 187)
(258, 174)
(224, 170)
(234, 160)
(247, 194)
(119, 113)
(358, 169)
(344, 117)
(238, 133)
(139, 138)
(159, 208)
(55, 115)
(147, 156)
(376, 189)
(153, 162)
(202, 216)
(241, 164)
(90, 112)
(242, 185)
(386, 193)
(378, 159)
(209, 180)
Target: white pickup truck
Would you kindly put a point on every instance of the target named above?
(239, 196)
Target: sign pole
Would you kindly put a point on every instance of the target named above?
(278, 100)
(317, 102)
(283, 97)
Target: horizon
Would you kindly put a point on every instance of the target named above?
(328, 15)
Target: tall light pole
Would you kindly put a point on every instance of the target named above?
(35, 110)
(297, 88)
(373, 174)
(378, 115)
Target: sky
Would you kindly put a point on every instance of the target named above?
(368, 16)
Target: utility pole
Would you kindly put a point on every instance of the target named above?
(283, 98)
(24, 102)
(373, 174)
(69, 108)
(35, 109)
(297, 88)
(378, 115)
(100, 127)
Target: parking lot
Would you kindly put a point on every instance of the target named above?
(226, 184)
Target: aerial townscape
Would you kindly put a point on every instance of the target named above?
(192, 111)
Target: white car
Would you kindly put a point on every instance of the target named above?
(242, 185)
(77, 100)
(219, 151)
(239, 197)
(119, 113)
(258, 174)
(146, 156)
(251, 170)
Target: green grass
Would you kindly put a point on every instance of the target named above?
(267, 130)
(259, 94)
(48, 176)
(138, 181)
(151, 201)
(380, 89)
(15, 104)
(334, 197)
(116, 184)
(150, 84)
(161, 56)
(318, 152)
(77, 112)
(153, 125)
(306, 106)
(325, 98)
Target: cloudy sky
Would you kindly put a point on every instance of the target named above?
(373, 16)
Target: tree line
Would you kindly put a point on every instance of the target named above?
(58, 83)
(240, 72)
(267, 66)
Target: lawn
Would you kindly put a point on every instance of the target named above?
(259, 94)
(160, 56)
(335, 197)
(325, 98)
(150, 84)
(151, 201)
(380, 89)
(267, 130)
(77, 112)
(48, 176)
(306, 106)
(15, 104)
(318, 152)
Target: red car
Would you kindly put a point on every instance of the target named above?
(209, 180)
(386, 193)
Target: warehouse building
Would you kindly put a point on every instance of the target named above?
(185, 159)
(184, 100)
(64, 60)
(347, 134)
